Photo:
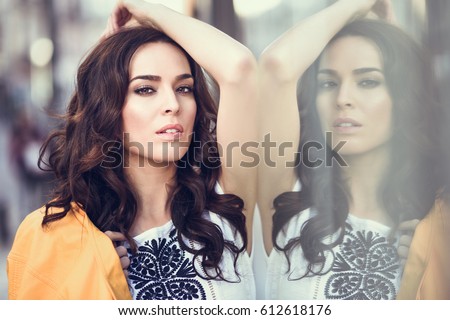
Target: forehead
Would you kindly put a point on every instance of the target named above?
(351, 52)
(159, 58)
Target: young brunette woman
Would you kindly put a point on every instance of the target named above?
(145, 155)
(358, 164)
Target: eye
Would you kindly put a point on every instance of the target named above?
(369, 83)
(144, 91)
(185, 89)
(327, 84)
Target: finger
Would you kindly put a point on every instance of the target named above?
(385, 11)
(122, 251)
(405, 240)
(115, 236)
(117, 16)
(409, 225)
(132, 23)
(111, 24)
(121, 17)
(108, 30)
(371, 15)
(125, 262)
(113, 17)
(403, 252)
(380, 9)
(389, 15)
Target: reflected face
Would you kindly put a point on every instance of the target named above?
(353, 101)
(159, 110)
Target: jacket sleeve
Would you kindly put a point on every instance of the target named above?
(427, 270)
(25, 282)
(68, 259)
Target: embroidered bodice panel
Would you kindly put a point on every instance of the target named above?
(162, 270)
(365, 265)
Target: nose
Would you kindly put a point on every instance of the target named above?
(171, 104)
(344, 96)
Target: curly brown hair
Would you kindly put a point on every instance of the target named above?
(92, 133)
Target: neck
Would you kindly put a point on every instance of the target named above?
(151, 185)
(364, 175)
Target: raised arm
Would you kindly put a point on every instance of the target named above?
(281, 64)
(234, 67)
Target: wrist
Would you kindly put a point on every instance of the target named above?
(355, 10)
(347, 11)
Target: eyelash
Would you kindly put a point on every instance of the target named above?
(371, 83)
(147, 90)
(144, 90)
(189, 89)
(327, 84)
(366, 83)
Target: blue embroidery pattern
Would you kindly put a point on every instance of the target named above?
(160, 271)
(364, 268)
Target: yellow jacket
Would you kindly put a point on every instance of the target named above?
(69, 259)
(427, 270)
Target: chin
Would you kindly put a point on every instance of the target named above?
(168, 157)
(355, 151)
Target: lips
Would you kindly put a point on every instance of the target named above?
(346, 125)
(170, 132)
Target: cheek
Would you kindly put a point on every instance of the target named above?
(382, 111)
(380, 118)
(191, 113)
(135, 118)
(324, 110)
(130, 119)
(126, 119)
(388, 121)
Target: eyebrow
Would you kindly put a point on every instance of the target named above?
(356, 71)
(158, 78)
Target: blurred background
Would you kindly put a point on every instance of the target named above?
(43, 41)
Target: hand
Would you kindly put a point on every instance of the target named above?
(116, 238)
(384, 10)
(407, 229)
(127, 14)
(133, 12)
(373, 9)
(359, 8)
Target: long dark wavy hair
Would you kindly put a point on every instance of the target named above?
(85, 156)
(409, 187)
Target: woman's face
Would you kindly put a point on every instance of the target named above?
(353, 101)
(159, 110)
